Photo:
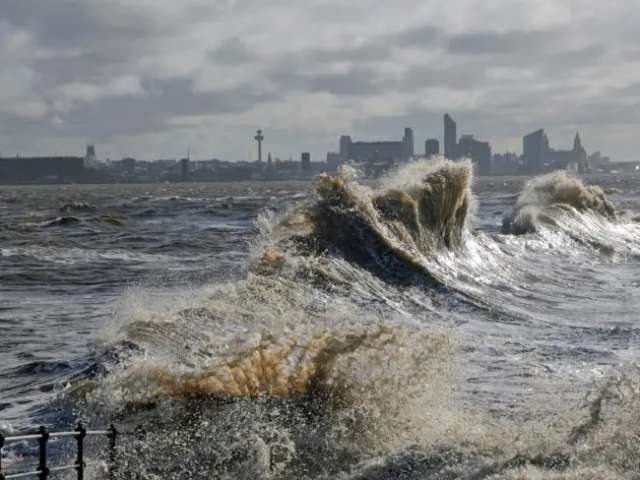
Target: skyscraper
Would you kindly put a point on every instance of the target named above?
(345, 148)
(407, 143)
(534, 149)
(450, 138)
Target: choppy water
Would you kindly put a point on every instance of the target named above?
(329, 356)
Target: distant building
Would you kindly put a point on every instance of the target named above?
(431, 147)
(305, 162)
(334, 160)
(184, 168)
(407, 143)
(505, 164)
(534, 150)
(259, 138)
(478, 152)
(598, 162)
(345, 148)
(376, 157)
(467, 147)
(539, 157)
(127, 164)
(90, 159)
(450, 138)
(46, 169)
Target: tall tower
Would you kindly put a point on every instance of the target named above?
(90, 159)
(407, 143)
(345, 148)
(535, 147)
(580, 154)
(450, 138)
(259, 138)
(577, 143)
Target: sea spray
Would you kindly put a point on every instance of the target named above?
(549, 196)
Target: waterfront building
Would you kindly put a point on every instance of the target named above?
(431, 148)
(450, 138)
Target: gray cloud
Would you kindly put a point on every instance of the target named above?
(232, 52)
(165, 99)
(497, 43)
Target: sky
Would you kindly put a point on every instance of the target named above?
(154, 78)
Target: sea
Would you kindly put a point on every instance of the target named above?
(427, 325)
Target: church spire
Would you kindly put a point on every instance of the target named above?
(577, 143)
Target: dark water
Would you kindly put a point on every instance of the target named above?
(539, 320)
(68, 254)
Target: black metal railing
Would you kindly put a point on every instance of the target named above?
(42, 436)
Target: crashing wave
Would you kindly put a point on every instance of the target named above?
(327, 364)
(547, 198)
(401, 226)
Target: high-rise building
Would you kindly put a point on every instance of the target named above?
(345, 148)
(535, 147)
(431, 148)
(407, 143)
(478, 152)
(450, 138)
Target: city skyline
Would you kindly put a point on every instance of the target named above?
(151, 79)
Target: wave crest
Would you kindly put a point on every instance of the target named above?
(420, 210)
(548, 197)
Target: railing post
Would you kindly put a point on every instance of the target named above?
(42, 464)
(112, 435)
(82, 432)
(1, 446)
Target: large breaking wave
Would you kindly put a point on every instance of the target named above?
(320, 363)
(557, 202)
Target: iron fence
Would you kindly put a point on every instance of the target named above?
(42, 436)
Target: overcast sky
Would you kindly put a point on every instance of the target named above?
(151, 78)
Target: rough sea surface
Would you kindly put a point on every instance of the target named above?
(331, 329)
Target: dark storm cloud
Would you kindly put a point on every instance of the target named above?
(496, 43)
(92, 66)
(572, 59)
(356, 81)
(165, 99)
(457, 76)
(77, 24)
(233, 51)
(422, 36)
(374, 51)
